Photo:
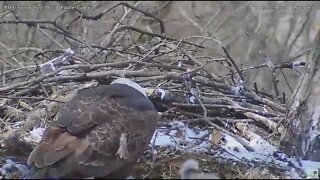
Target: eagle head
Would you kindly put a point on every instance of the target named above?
(188, 166)
(190, 170)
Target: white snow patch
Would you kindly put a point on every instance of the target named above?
(35, 135)
(69, 51)
(162, 139)
(177, 124)
(180, 135)
(17, 125)
(264, 152)
(313, 131)
(63, 72)
(183, 137)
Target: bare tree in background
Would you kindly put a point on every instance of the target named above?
(302, 132)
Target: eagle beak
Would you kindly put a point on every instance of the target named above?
(158, 92)
(149, 91)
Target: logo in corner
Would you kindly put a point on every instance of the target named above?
(312, 174)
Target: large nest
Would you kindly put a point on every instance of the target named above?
(202, 110)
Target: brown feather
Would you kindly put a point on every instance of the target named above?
(82, 146)
(86, 118)
(51, 134)
(62, 141)
(33, 155)
(52, 155)
(68, 166)
(38, 157)
(85, 155)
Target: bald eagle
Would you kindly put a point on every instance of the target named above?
(100, 133)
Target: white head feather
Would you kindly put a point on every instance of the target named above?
(190, 170)
(188, 165)
(130, 83)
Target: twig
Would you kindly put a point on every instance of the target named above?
(11, 55)
(35, 98)
(161, 7)
(285, 65)
(205, 37)
(92, 75)
(153, 149)
(275, 84)
(299, 33)
(270, 124)
(230, 15)
(212, 119)
(109, 41)
(216, 106)
(202, 139)
(5, 13)
(287, 82)
(122, 18)
(233, 63)
(214, 17)
(35, 23)
(219, 87)
(52, 39)
(245, 145)
(197, 62)
(99, 15)
(239, 139)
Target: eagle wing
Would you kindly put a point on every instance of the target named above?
(89, 132)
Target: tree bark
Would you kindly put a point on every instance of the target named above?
(301, 137)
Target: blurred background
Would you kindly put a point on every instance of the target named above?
(254, 32)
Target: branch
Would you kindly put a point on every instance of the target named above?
(233, 63)
(120, 28)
